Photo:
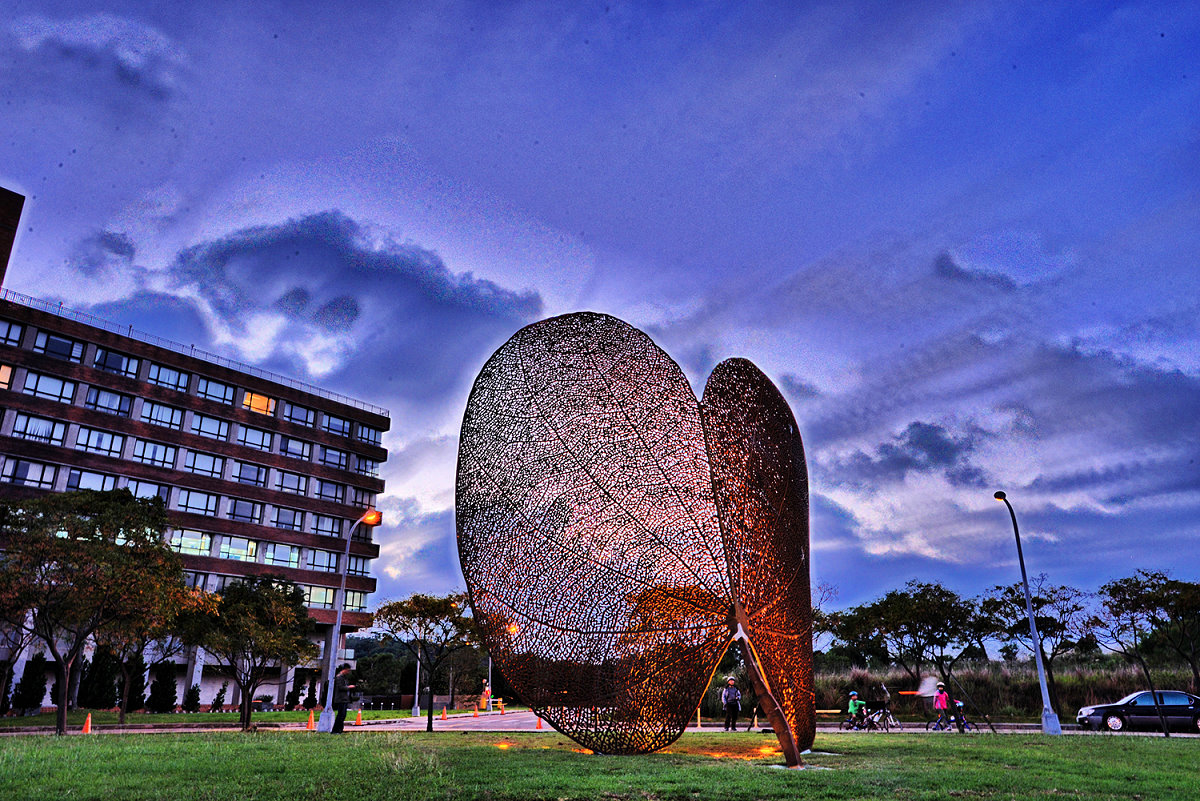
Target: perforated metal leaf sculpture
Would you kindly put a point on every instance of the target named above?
(616, 535)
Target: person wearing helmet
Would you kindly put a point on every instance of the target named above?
(941, 703)
(856, 709)
(731, 702)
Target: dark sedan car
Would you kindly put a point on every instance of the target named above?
(1137, 711)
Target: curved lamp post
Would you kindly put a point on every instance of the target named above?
(371, 517)
(1050, 724)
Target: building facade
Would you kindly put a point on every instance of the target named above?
(260, 473)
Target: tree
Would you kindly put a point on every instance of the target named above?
(164, 689)
(1174, 609)
(31, 689)
(1124, 621)
(1059, 611)
(431, 627)
(924, 623)
(79, 561)
(260, 621)
(98, 684)
(191, 699)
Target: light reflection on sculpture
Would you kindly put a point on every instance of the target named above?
(616, 535)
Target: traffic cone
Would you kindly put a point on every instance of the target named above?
(501, 707)
(312, 726)
(539, 723)
(443, 713)
(476, 711)
(358, 718)
(87, 724)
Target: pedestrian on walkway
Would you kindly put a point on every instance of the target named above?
(731, 700)
(341, 698)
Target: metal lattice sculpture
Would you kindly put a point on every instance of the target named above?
(616, 536)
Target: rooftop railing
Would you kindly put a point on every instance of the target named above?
(66, 312)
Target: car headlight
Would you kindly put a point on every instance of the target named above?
(1084, 711)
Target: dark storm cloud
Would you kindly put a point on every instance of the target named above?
(920, 448)
(369, 315)
(944, 266)
(167, 316)
(99, 54)
(797, 389)
(103, 251)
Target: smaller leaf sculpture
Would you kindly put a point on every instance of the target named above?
(617, 536)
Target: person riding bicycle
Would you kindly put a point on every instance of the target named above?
(857, 710)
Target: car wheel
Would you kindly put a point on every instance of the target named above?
(1114, 722)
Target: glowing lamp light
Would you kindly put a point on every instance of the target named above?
(513, 628)
(373, 517)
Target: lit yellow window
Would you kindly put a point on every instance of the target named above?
(258, 403)
(5, 376)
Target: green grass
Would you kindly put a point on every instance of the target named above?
(467, 765)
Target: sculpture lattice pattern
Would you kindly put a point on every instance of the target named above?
(615, 534)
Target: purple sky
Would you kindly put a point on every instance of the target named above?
(961, 238)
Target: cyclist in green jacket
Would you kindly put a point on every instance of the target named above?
(857, 710)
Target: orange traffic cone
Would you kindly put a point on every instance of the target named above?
(358, 718)
(501, 707)
(87, 724)
(539, 723)
(476, 711)
(311, 725)
(443, 713)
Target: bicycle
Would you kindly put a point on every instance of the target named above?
(883, 718)
(944, 722)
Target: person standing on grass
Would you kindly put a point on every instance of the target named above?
(341, 698)
(731, 700)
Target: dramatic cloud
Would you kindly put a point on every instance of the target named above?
(921, 447)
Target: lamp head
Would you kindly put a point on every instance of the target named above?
(372, 517)
(1000, 495)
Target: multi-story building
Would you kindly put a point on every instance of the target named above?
(260, 473)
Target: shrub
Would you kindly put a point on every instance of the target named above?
(191, 699)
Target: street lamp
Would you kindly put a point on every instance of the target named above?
(371, 517)
(1050, 724)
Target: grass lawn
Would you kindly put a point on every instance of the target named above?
(103, 717)
(463, 765)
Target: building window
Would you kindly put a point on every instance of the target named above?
(372, 436)
(47, 386)
(319, 597)
(366, 467)
(239, 548)
(191, 542)
(113, 362)
(246, 511)
(247, 473)
(291, 519)
(254, 438)
(363, 533)
(102, 442)
(168, 377)
(329, 526)
(6, 374)
(29, 474)
(292, 482)
(194, 580)
(211, 427)
(214, 391)
(148, 489)
(295, 448)
(358, 566)
(10, 333)
(258, 403)
(356, 601)
(332, 457)
(87, 480)
(154, 453)
(336, 425)
(39, 429)
(103, 400)
(331, 491)
(281, 555)
(160, 414)
(323, 560)
(300, 415)
(65, 348)
(205, 464)
(363, 498)
(196, 502)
